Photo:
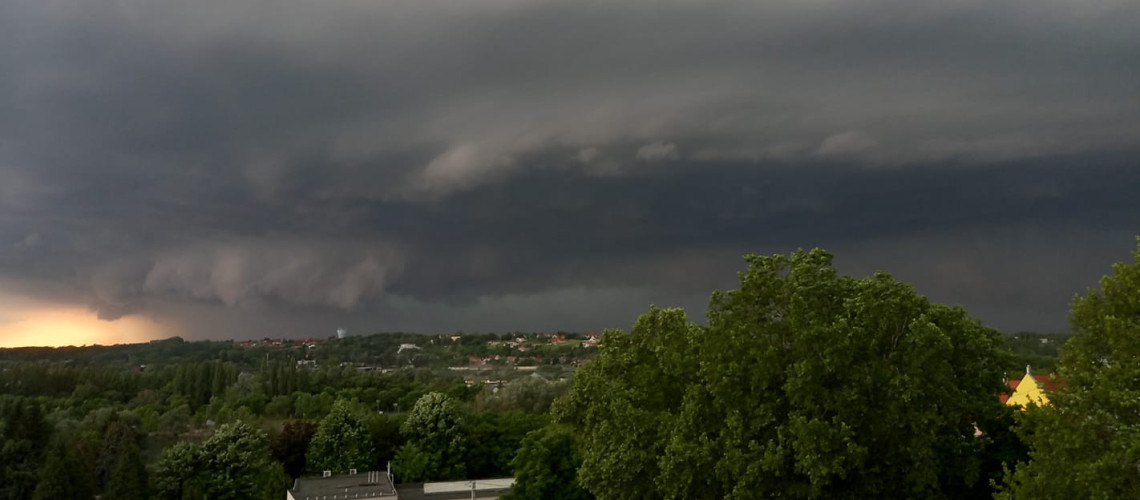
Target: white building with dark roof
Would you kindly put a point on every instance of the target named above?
(351, 486)
(377, 485)
(476, 489)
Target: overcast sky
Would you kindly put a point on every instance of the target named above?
(238, 169)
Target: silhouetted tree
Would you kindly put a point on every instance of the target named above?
(65, 474)
(291, 444)
(129, 478)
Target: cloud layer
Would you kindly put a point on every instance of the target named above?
(444, 165)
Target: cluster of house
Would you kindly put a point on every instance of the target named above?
(305, 343)
(559, 338)
(521, 343)
(518, 343)
(552, 338)
(510, 360)
(494, 384)
(408, 347)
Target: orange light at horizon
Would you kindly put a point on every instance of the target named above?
(76, 326)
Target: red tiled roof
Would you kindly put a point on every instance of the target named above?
(1051, 383)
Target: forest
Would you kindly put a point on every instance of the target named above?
(801, 383)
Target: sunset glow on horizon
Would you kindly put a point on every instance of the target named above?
(74, 326)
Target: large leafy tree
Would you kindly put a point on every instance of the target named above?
(1087, 443)
(546, 466)
(625, 400)
(236, 463)
(178, 473)
(290, 445)
(436, 444)
(414, 464)
(385, 431)
(341, 442)
(804, 384)
(493, 439)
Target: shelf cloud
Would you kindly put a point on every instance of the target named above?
(244, 168)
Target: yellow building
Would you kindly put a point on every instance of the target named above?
(1031, 389)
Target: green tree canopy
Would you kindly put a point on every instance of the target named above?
(128, 479)
(178, 473)
(436, 444)
(341, 442)
(546, 466)
(24, 435)
(65, 474)
(385, 431)
(414, 464)
(531, 394)
(237, 464)
(118, 439)
(1087, 443)
(805, 384)
(494, 438)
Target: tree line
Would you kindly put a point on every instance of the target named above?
(66, 427)
(803, 383)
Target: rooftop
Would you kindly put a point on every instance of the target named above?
(344, 486)
(1031, 389)
(485, 489)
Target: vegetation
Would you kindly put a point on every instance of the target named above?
(1087, 443)
(803, 384)
(340, 443)
(547, 465)
(1037, 350)
(436, 443)
(65, 474)
(151, 419)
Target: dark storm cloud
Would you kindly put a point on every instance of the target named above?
(556, 164)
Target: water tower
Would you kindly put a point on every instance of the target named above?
(341, 332)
